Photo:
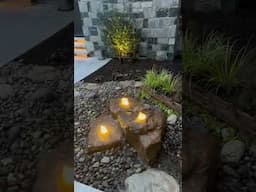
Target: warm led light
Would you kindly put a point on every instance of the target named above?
(141, 117)
(125, 102)
(103, 130)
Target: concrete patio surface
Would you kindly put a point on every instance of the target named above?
(22, 29)
(79, 187)
(84, 68)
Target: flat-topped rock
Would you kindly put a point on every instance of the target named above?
(104, 133)
(141, 122)
(125, 104)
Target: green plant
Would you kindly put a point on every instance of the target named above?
(168, 111)
(198, 55)
(119, 34)
(213, 60)
(163, 81)
(224, 72)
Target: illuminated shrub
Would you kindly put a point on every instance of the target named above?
(119, 35)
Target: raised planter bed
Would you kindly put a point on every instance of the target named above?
(221, 109)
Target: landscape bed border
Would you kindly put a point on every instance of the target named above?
(221, 109)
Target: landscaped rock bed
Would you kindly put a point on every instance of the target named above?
(131, 69)
(238, 170)
(108, 170)
(35, 116)
(234, 159)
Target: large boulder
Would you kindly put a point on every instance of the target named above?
(154, 119)
(133, 106)
(147, 145)
(104, 133)
(151, 180)
(147, 141)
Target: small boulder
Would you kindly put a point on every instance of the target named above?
(232, 151)
(151, 180)
(171, 120)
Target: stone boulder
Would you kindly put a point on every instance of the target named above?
(111, 136)
(155, 119)
(151, 180)
(148, 144)
(232, 151)
(134, 106)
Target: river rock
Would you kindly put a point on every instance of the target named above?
(99, 142)
(151, 180)
(232, 151)
(171, 120)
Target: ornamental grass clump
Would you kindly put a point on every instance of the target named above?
(163, 81)
(213, 61)
(119, 35)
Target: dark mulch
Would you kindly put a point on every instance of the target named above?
(131, 70)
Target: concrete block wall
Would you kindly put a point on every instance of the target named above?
(156, 20)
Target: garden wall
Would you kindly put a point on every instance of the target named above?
(156, 20)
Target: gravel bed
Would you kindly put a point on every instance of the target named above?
(34, 111)
(239, 176)
(108, 170)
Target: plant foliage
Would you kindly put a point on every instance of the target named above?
(119, 34)
(162, 81)
(214, 60)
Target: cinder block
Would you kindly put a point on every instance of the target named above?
(161, 55)
(149, 12)
(139, 23)
(162, 40)
(136, 5)
(137, 10)
(171, 41)
(147, 4)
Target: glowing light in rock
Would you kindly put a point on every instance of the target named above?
(125, 102)
(104, 130)
(141, 117)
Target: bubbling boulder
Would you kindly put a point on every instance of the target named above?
(104, 133)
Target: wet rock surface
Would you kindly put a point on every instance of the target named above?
(108, 170)
(31, 125)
